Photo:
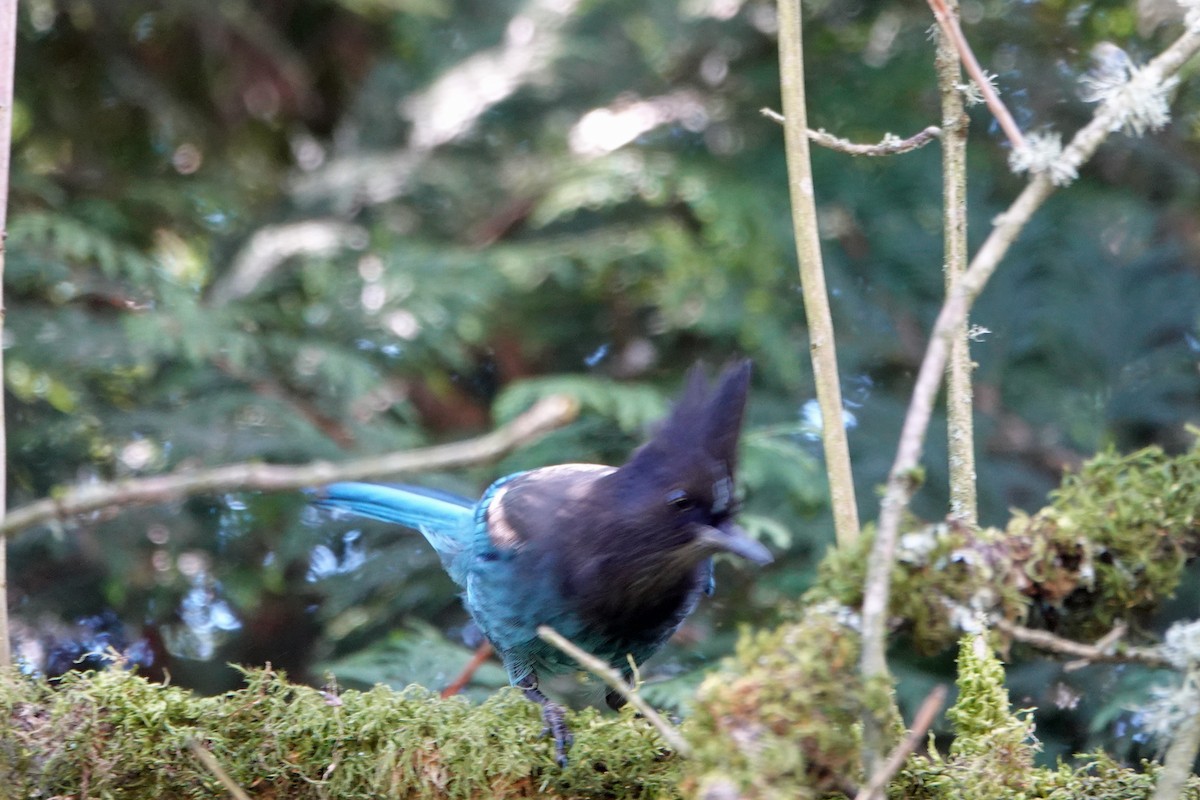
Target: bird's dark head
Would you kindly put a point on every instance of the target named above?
(680, 484)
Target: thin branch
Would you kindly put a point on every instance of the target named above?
(268, 386)
(890, 146)
(950, 27)
(271, 246)
(922, 722)
(549, 413)
(960, 422)
(614, 681)
(901, 478)
(1104, 651)
(8, 52)
(446, 109)
(212, 765)
(482, 654)
(822, 349)
(252, 23)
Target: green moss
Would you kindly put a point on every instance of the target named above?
(1114, 539)
(114, 735)
(995, 743)
(942, 573)
(991, 757)
(780, 720)
(1111, 544)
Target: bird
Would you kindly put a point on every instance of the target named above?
(612, 557)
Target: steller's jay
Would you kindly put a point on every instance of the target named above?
(613, 558)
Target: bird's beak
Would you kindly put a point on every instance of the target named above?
(730, 538)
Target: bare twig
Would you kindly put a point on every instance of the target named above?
(890, 146)
(960, 423)
(613, 680)
(212, 765)
(482, 654)
(266, 385)
(8, 51)
(812, 275)
(901, 478)
(446, 109)
(272, 245)
(549, 413)
(922, 722)
(1104, 651)
(950, 27)
(252, 24)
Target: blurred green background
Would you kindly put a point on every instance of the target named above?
(301, 229)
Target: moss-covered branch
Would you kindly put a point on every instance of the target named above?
(778, 719)
(1111, 545)
(112, 734)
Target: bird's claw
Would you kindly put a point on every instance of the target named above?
(555, 717)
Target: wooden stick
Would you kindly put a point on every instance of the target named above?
(212, 765)
(549, 413)
(922, 722)
(890, 146)
(1103, 651)
(8, 55)
(615, 682)
(482, 654)
(949, 24)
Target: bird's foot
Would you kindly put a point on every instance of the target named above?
(553, 715)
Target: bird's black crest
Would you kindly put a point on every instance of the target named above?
(706, 420)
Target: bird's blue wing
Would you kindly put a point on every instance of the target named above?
(444, 519)
(710, 580)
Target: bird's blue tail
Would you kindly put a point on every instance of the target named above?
(444, 519)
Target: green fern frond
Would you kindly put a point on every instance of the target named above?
(66, 238)
(418, 654)
(631, 406)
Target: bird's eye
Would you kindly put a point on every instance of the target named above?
(680, 500)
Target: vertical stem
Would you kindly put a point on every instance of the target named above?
(8, 51)
(959, 405)
(1181, 754)
(812, 274)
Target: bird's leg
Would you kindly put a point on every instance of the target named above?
(554, 715)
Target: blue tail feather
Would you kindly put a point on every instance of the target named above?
(443, 518)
